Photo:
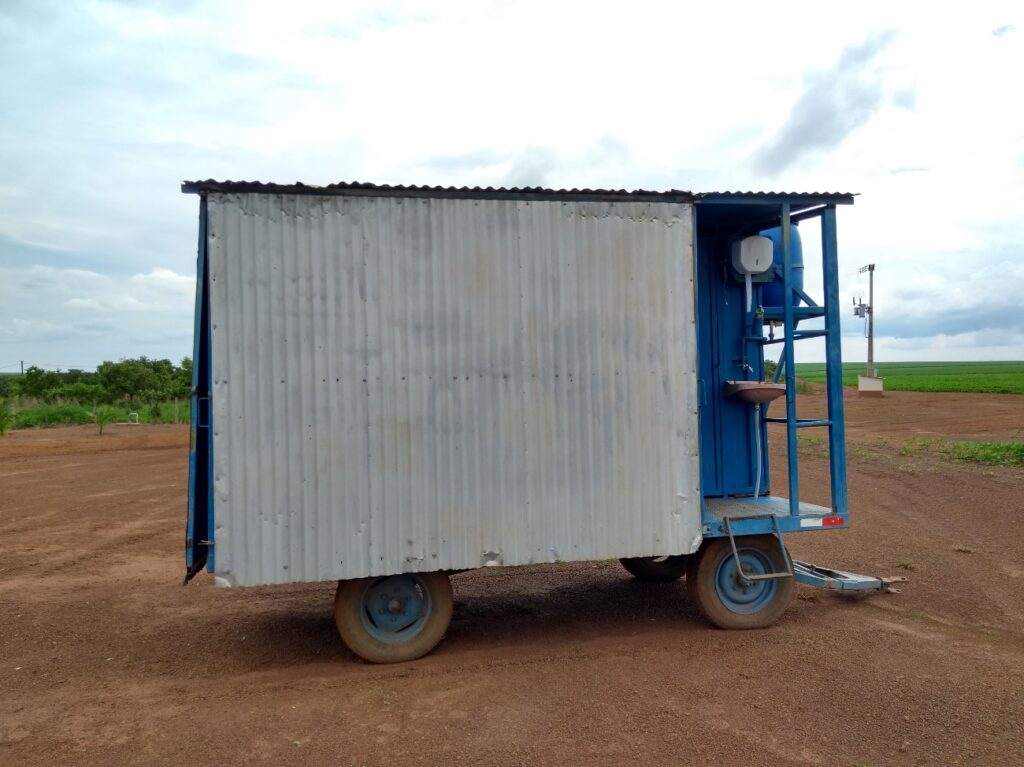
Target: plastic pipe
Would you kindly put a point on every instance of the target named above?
(757, 449)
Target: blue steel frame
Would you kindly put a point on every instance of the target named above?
(199, 529)
(763, 517)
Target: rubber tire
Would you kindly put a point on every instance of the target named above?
(656, 569)
(700, 583)
(347, 606)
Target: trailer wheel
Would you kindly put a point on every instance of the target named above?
(720, 594)
(656, 569)
(394, 618)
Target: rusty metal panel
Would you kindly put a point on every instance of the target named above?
(416, 384)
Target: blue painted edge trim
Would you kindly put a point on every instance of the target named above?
(196, 553)
(211, 552)
(190, 526)
(715, 528)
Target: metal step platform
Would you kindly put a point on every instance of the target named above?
(773, 505)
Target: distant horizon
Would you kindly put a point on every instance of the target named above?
(767, 359)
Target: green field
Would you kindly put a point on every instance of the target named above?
(986, 377)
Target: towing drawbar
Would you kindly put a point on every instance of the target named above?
(840, 580)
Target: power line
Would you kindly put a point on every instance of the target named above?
(48, 367)
(51, 366)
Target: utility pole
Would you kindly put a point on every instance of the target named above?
(870, 268)
(23, 367)
(869, 384)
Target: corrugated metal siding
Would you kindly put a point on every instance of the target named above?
(424, 384)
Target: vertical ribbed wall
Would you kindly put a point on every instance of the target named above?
(420, 384)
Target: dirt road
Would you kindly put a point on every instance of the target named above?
(104, 659)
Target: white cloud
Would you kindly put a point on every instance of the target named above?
(77, 318)
(108, 106)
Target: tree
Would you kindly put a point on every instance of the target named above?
(183, 378)
(83, 393)
(128, 378)
(75, 375)
(38, 382)
(138, 380)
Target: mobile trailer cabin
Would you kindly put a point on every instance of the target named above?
(392, 384)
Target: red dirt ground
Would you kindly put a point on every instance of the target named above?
(105, 659)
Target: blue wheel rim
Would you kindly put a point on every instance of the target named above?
(745, 597)
(395, 609)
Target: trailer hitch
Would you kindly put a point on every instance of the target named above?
(840, 580)
(813, 575)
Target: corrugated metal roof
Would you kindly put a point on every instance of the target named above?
(754, 194)
(358, 188)
(835, 198)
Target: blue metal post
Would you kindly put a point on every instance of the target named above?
(833, 361)
(788, 329)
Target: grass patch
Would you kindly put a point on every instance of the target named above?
(998, 453)
(811, 444)
(917, 445)
(990, 453)
(982, 377)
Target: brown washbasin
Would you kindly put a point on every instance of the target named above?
(755, 392)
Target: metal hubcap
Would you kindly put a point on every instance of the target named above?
(739, 594)
(394, 609)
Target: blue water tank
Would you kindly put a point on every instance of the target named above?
(771, 292)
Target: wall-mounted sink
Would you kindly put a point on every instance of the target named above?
(754, 392)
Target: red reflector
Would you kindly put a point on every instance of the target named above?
(831, 521)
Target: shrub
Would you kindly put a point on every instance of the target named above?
(6, 417)
(51, 415)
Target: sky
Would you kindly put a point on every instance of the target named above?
(105, 107)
